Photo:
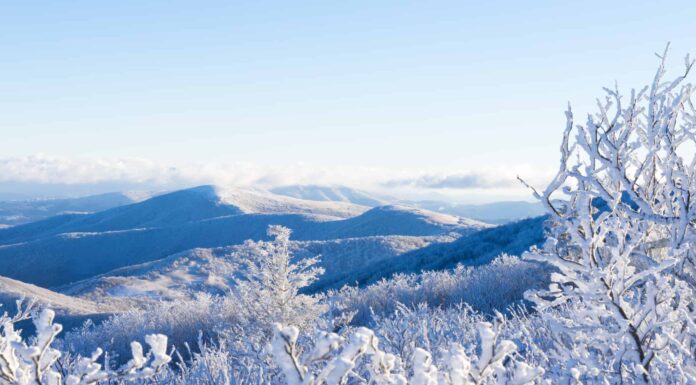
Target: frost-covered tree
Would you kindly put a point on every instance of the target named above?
(623, 208)
(266, 291)
(35, 361)
(269, 288)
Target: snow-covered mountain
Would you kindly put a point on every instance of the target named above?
(250, 201)
(16, 212)
(497, 212)
(332, 193)
(176, 209)
(172, 246)
(69, 248)
(346, 261)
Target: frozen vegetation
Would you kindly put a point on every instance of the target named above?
(600, 290)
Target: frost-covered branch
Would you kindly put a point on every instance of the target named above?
(497, 363)
(622, 234)
(34, 362)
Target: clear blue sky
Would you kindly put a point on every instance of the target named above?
(390, 83)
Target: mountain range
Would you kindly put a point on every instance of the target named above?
(107, 253)
(71, 247)
(495, 212)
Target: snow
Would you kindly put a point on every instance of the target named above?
(619, 307)
(172, 278)
(70, 310)
(10, 290)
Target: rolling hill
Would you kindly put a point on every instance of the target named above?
(476, 248)
(68, 248)
(17, 212)
(211, 270)
(346, 262)
(496, 212)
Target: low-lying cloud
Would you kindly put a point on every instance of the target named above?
(105, 175)
(453, 181)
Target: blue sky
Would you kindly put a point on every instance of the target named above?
(416, 87)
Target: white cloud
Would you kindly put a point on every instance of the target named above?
(464, 181)
(149, 174)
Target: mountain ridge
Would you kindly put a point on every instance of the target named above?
(65, 249)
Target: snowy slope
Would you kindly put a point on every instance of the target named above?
(471, 249)
(65, 249)
(170, 278)
(404, 220)
(343, 258)
(211, 270)
(331, 193)
(70, 311)
(258, 201)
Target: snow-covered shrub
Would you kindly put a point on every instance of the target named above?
(181, 321)
(334, 359)
(36, 361)
(433, 329)
(211, 365)
(486, 288)
(623, 240)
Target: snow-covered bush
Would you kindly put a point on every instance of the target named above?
(181, 321)
(486, 288)
(334, 359)
(36, 361)
(624, 227)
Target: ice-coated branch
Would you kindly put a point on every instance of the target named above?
(34, 363)
(622, 234)
(497, 363)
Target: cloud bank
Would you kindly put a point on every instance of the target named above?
(145, 174)
(454, 181)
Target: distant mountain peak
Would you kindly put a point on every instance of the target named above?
(428, 216)
(334, 193)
